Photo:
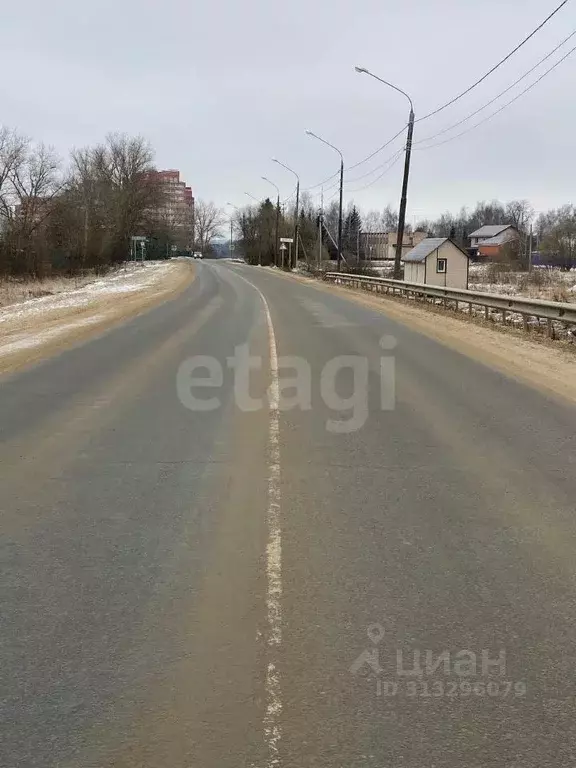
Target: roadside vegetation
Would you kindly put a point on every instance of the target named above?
(77, 217)
(553, 236)
(549, 283)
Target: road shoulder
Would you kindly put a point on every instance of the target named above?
(550, 368)
(28, 336)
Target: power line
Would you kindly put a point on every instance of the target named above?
(386, 165)
(376, 151)
(515, 83)
(378, 167)
(289, 197)
(321, 183)
(333, 195)
(360, 162)
(335, 185)
(508, 103)
(448, 103)
(495, 67)
(360, 189)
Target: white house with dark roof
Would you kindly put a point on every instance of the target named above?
(437, 261)
(489, 239)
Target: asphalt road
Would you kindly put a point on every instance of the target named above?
(387, 579)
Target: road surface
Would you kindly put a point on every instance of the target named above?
(390, 584)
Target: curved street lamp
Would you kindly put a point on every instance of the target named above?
(403, 197)
(315, 136)
(296, 212)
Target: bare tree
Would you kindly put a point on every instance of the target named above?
(208, 220)
(381, 221)
(424, 225)
(124, 164)
(119, 193)
(29, 188)
(519, 213)
(36, 181)
(13, 150)
(372, 221)
(559, 242)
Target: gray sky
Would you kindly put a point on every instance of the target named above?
(220, 87)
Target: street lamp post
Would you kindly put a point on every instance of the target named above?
(309, 133)
(296, 212)
(277, 218)
(403, 198)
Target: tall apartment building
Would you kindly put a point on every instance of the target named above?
(177, 209)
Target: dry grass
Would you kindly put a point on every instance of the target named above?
(61, 327)
(541, 283)
(15, 290)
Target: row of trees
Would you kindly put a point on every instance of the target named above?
(553, 232)
(256, 227)
(66, 218)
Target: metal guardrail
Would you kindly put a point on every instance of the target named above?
(551, 311)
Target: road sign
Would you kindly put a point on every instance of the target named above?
(286, 240)
(283, 247)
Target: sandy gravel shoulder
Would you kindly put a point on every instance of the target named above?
(36, 329)
(548, 366)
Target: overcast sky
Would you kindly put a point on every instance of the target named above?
(221, 87)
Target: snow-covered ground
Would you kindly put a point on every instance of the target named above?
(546, 283)
(134, 277)
(541, 283)
(28, 324)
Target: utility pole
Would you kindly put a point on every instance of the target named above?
(296, 225)
(403, 198)
(321, 223)
(277, 235)
(339, 245)
(296, 213)
(530, 249)
(340, 216)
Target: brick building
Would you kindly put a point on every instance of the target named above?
(177, 210)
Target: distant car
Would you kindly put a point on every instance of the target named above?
(197, 255)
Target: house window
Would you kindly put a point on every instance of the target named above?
(441, 265)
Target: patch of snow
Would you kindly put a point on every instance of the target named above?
(133, 278)
(31, 340)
